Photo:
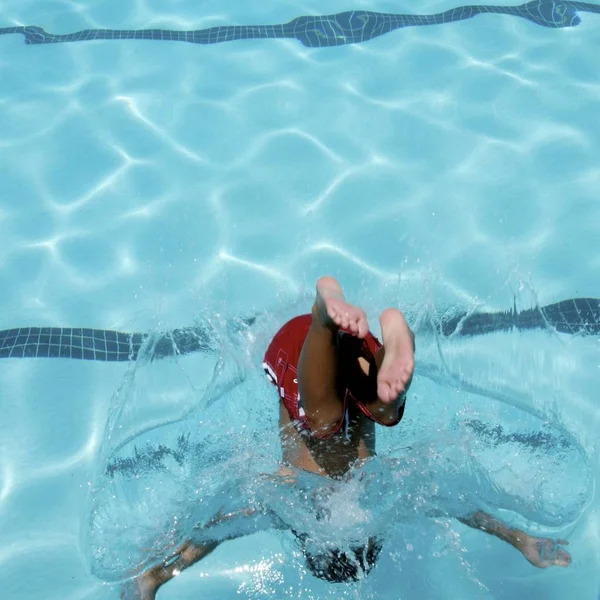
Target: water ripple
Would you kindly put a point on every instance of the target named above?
(437, 167)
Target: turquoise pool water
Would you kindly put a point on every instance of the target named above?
(150, 185)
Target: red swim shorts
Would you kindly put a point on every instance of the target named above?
(281, 367)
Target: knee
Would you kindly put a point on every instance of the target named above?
(325, 420)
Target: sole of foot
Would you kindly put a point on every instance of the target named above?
(398, 365)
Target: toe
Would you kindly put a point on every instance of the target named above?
(383, 392)
(387, 393)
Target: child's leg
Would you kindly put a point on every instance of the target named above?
(384, 392)
(318, 364)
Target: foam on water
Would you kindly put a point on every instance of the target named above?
(141, 185)
(177, 451)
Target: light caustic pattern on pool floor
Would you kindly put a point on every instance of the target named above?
(142, 182)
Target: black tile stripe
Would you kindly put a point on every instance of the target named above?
(576, 316)
(88, 344)
(350, 27)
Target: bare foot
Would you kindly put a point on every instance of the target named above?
(398, 365)
(143, 587)
(333, 309)
(544, 552)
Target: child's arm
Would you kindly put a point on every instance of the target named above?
(146, 585)
(540, 552)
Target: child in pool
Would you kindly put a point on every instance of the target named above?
(335, 381)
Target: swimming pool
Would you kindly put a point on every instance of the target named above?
(148, 186)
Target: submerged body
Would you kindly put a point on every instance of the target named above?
(335, 381)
